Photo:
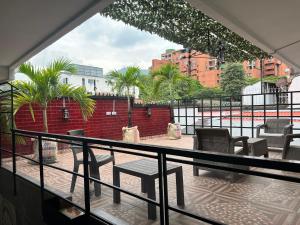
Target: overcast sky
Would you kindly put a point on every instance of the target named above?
(106, 43)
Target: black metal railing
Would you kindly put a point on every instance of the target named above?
(239, 116)
(162, 155)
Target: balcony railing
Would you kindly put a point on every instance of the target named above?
(162, 155)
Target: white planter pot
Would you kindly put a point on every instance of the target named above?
(49, 151)
(174, 131)
(131, 134)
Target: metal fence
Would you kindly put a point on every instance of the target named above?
(162, 155)
(240, 117)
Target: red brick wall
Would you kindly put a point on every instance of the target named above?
(100, 125)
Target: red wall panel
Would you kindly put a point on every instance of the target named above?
(100, 125)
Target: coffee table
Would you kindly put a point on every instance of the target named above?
(147, 170)
(257, 147)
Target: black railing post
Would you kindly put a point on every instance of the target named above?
(230, 114)
(277, 103)
(161, 190)
(86, 178)
(202, 112)
(194, 116)
(291, 108)
(186, 117)
(252, 115)
(166, 198)
(13, 139)
(264, 108)
(221, 116)
(241, 116)
(41, 165)
(211, 114)
(178, 111)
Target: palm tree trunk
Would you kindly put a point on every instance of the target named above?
(171, 103)
(129, 110)
(45, 120)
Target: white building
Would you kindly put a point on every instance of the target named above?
(259, 98)
(295, 87)
(90, 77)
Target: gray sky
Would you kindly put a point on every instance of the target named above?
(105, 43)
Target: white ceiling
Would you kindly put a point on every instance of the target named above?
(28, 26)
(272, 25)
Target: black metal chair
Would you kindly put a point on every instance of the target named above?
(95, 162)
(291, 152)
(218, 140)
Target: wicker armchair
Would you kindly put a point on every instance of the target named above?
(291, 152)
(218, 140)
(275, 131)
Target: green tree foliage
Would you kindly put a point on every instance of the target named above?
(123, 83)
(210, 93)
(251, 80)
(188, 88)
(170, 76)
(148, 92)
(178, 21)
(45, 86)
(233, 79)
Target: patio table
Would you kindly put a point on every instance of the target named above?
(147, 170)
(257, 147)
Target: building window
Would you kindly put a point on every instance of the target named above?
(212, 64)
(65, 80)
(251, 64)
(83, 82)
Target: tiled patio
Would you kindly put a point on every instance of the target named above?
(239, 200)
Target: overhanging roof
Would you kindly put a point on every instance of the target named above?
(273, 26)
(28, 27)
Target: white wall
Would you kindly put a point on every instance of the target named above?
(101, 85)
(76, 80)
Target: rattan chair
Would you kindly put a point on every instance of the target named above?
(218, 140)
(291, 152)
(95, 162)
(275, 131)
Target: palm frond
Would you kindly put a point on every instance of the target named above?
(79, 95)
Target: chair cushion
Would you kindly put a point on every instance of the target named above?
(271, 135)
(237, 149)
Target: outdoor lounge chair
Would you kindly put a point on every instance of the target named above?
(275, 131)
(291, 152)
(218, 140)
(95, 161)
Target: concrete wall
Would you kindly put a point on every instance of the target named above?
(24, 208)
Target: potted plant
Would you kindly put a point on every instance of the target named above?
(44, 86)
(124, 83)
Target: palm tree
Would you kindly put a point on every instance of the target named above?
(45, 86)
(169, 75)
(123, 83)
(147, 86)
